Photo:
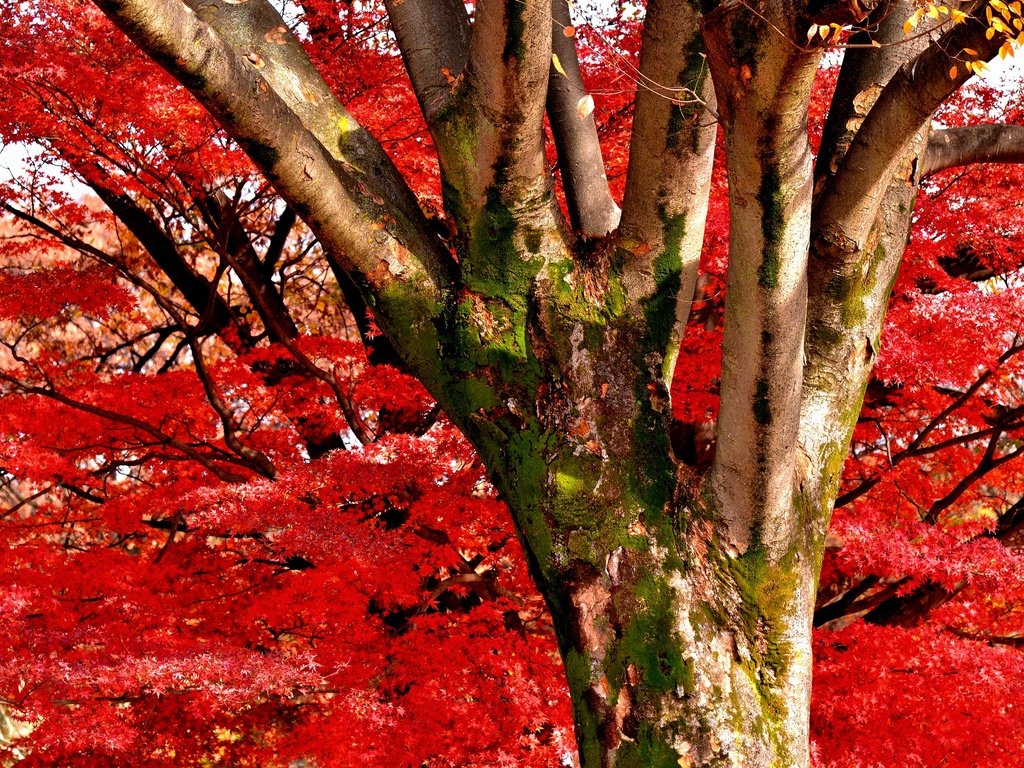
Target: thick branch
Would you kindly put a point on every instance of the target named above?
(671, 152)
(853, 261)
(392, 259)
(507, 76)
(433, 36)
(592, 211)
(256, 30)
(864, 72)
(846, 210)
(953, 147)
(763, 92)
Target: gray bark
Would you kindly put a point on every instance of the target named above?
(592, 211)
(955, 147)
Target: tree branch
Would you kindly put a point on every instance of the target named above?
(197, 290)
(867, 182)
(207, 461)
(670, 159)
(916, 446)
(592, 211)
(255, 29)
(232, 242)
(405, 269)
(847, 206)
(763, 89)
(433, 36)
(278, 240)
(507, 80)
(953, 147)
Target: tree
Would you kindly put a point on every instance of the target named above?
(681, 598)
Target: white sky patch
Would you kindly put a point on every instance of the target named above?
(18, 162)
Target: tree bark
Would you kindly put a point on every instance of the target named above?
(954, 147)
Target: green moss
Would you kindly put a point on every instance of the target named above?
(652, 473)
(577, 673)
(648, 750)
(494, 267)
(682, 118)
(475, 395)
(520, 471)
(650, 643)
(824, 337)
(532, 239)
(582, 547)
(400, 309)
(746, 33)
(767, 591)
(514, 43)
(668, 263)
(773, 219)
(762, 403)
(660, 309)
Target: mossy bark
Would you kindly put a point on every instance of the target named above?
(679, 649)
(683, 655)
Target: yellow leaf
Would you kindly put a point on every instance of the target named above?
(970, 52)
(1005, 50)
(557, 65)
(812, 32)
(1015, 7)
(585, 106)
(823, 30)
(958, 17)
(990, 33)
(933, 12)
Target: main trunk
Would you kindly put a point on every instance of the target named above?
(679, 650)
(688, 655)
